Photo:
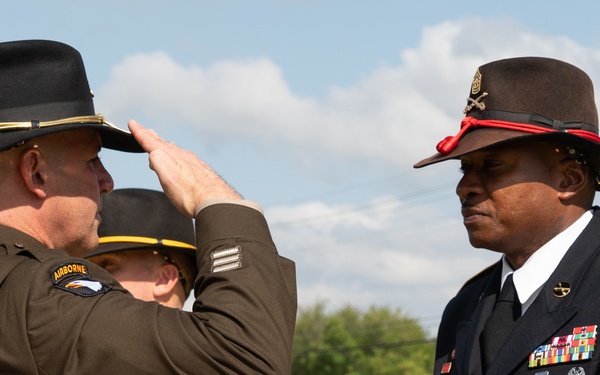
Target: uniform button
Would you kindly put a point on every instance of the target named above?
(19, 245)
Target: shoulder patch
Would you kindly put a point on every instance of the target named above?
(74, 277)
(68, 270)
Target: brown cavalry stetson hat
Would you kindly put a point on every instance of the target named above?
(137, 219)
(526, 98)
(43, 90)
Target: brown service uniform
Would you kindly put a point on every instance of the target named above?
(64, 315)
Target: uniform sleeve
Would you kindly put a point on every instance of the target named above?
(242, 321)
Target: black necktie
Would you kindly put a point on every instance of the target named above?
(502, 321)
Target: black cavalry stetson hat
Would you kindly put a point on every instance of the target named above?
(43, 90)
(140, 218)
(526, 98)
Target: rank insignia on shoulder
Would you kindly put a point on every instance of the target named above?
(570, 348)
(74, 277)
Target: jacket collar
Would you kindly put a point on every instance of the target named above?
(550, 311)
(13, 241)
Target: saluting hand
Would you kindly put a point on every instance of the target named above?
(185, 179)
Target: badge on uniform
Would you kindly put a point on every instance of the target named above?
(226, 259)
(74, 277)
(576, 347)
(447, 367)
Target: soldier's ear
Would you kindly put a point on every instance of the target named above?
(166, 281)
(574, 179)
(33, 171)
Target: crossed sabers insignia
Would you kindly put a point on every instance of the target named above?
(561, 289)
(475, 103)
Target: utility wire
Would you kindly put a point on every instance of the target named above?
(380, 205)
(348, 188)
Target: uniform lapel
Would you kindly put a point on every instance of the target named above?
(468, 357)
(549, 313)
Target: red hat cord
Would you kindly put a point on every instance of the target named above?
(449, 143)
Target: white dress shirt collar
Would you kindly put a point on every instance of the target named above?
(537, 269)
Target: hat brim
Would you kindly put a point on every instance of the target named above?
(114, 247)
(112, 138)
(484, 138)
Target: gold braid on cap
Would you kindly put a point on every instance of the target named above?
(28, 125)
(146, 241)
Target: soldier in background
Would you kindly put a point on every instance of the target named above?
(147, 245)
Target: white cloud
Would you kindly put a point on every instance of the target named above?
(398, 252)
(389, 252)
(392, 115)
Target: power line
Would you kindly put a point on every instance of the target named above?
(380, 205)
(344, 189)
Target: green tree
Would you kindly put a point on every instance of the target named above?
(378, 341)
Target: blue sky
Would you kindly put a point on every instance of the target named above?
(317, 110)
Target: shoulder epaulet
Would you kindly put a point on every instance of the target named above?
(9, 262)
(481, 274)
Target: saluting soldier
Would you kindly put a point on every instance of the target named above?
(529, 153)
(147, 245)
(65, 315)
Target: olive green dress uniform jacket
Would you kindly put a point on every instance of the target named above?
(553, 314)
(64, 315)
